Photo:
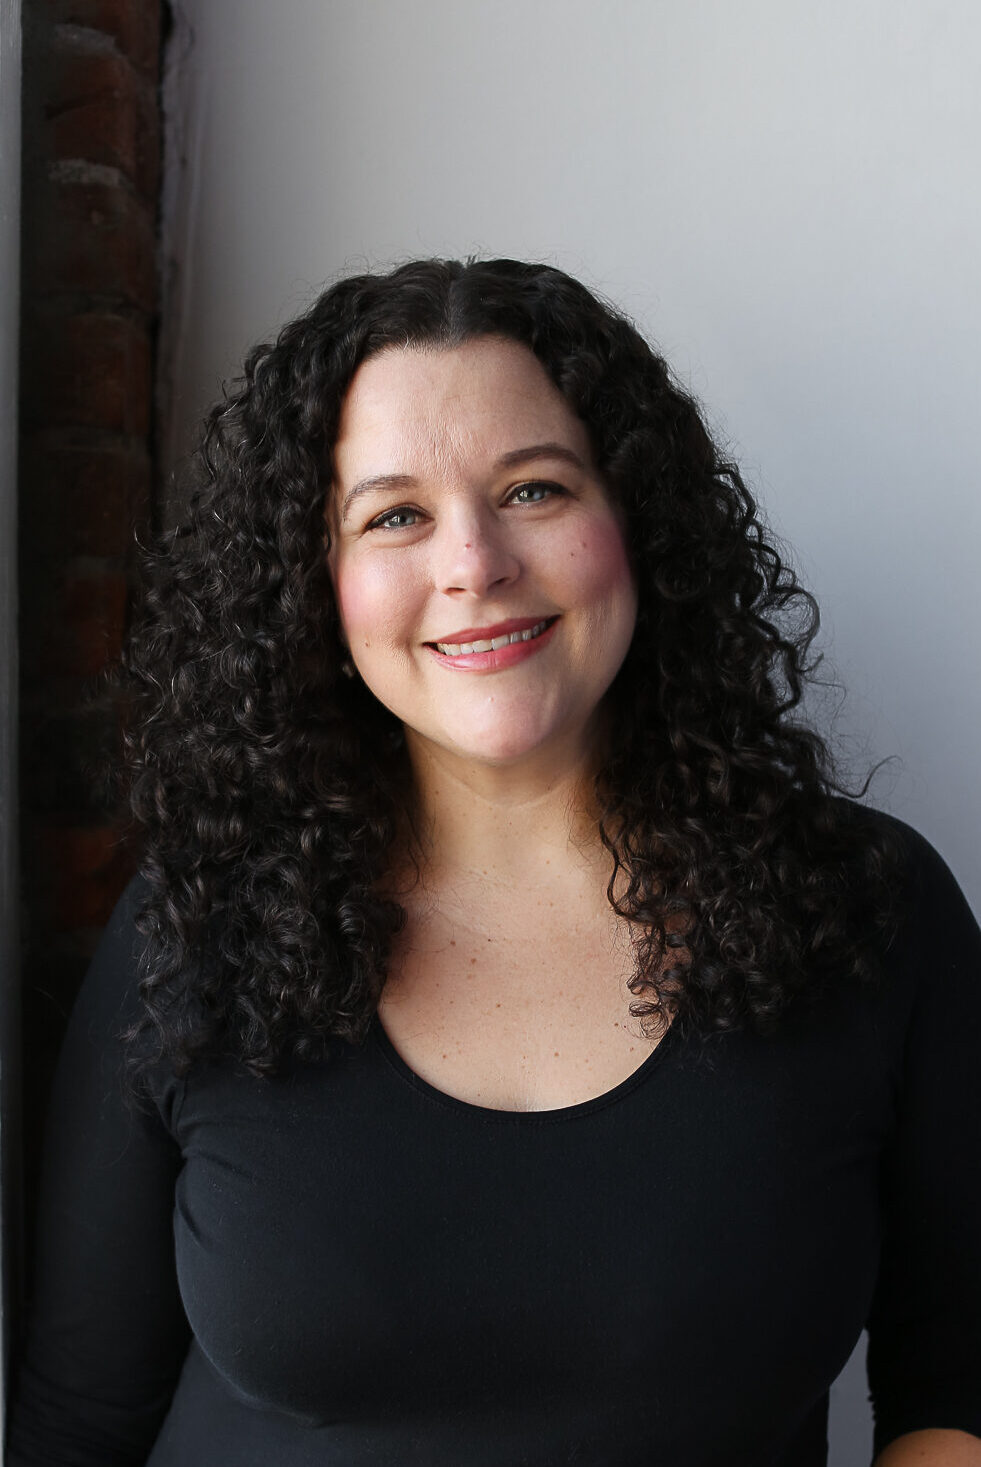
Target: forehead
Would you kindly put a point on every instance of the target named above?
(409, 409)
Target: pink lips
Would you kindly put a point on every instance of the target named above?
(486, 634)
(504, 656)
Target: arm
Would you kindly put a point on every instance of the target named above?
(107, 1333)
(932, 1449)
(924, 1358)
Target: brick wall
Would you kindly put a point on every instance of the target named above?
(91, 182)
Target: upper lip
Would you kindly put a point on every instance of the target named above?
(499, 629)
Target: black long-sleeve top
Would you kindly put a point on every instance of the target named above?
(344, 1266)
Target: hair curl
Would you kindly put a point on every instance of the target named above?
(267, 786)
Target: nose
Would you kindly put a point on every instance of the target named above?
(473, 555)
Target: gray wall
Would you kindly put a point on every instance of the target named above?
(9, 980)
(783, 194)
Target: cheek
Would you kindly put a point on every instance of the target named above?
(602, 567)
(376, 603)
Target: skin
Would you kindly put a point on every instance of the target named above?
(932, 1449)
(473, 544)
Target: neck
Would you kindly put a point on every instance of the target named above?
(514, 825)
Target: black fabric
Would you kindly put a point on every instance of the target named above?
(343, 1266)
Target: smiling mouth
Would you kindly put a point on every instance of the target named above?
(463, 649)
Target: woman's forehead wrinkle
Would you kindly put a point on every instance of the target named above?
(453, 449)
(436, 418)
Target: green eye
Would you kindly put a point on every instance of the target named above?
(395, 519)
(538, 487)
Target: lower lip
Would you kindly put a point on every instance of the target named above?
(495, 661)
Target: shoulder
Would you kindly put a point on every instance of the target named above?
(923, 938)
(95, 1074)
(930, 891)
(104, 1031)
(919, 869)
(109, 995)
(934, 952)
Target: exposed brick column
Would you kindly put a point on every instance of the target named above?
(91, 182)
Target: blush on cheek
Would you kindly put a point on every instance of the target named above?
(350, 598)
(375, 604)
(603, 561)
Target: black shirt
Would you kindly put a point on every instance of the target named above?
(345, 1266)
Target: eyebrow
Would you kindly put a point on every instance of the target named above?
(511, 460)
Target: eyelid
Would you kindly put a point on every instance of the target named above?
(378, 522)
(538, 484)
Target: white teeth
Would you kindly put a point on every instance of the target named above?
(461, 649)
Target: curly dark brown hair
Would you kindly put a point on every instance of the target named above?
(268, 788)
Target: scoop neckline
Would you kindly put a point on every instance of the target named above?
(491, 1114)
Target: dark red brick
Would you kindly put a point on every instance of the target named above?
(134, 26)
(89, 866)
(101, 109)
(97, 240)
(90, 370)
(90, 99)
(85, 500)
(88, 618)
(67, 761)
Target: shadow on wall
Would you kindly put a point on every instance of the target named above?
(850, 1415)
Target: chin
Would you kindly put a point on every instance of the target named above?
(504, 747)
(501, 755)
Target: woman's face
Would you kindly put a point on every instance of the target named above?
(466, 509)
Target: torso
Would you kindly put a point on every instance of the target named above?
(514, 1002)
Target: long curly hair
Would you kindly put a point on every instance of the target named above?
(268, 789)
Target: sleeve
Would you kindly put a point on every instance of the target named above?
(107, 1333)
(924, 1358)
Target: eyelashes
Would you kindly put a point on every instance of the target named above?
(405, 512)
(536, 484)
(383, 521)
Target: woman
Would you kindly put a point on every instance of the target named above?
(539, 1061)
